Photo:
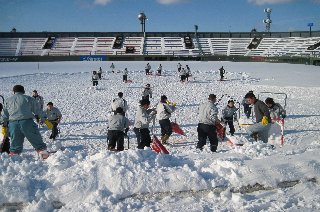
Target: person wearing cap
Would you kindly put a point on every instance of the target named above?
(263, 120)
(246, 107)
(18, 113)
(275, 109)
(53, 115)
(164, 111)
(147, 69)
(118, 127)
(143, 117)
(119, 102)
(38, 98)
(229, 115)
(208, 118)
(147, 92)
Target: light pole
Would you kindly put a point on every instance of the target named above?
(268, 20)
(142, 17)
(310, 25)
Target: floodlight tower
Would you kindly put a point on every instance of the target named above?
(142, 17)
(268, 21)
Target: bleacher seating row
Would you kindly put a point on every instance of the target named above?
(65, 46)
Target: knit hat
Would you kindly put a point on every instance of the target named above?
(18, 88)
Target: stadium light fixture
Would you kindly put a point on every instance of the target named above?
(268, 21)
(142, 18)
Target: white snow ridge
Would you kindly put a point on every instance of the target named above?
(85, 176)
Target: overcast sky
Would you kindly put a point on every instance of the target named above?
(163, 15)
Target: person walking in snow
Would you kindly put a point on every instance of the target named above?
(18, 113)
(147, 69)
(275, 109)
(208, 118)
(179, 67)
(246, 107)
(263, 120)
(118, 127)
(38, 99)
(144, 116)
(125, 75)
(222, 72)
(183, 75)
(95, 78)
(229, 115)
(119, 102)
(159, 70)
(53, 115)
(112, 67)
(147, 92)
(164, 111)
(100, 73)
(188, 72)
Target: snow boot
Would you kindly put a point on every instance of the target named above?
(43, 154)
(164, 139)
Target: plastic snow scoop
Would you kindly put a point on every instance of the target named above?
(220, 131)
(176, 128)
(157, 146)
(49, 124)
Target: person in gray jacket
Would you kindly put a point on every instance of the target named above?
(38, 98)
(229, 115)
(263, 120)
(164, 111)
(117, 124)
(208, 118)
(275, 109)
(147, 92)
(18, 113)
(95, 78)
(144, 116)
(53, 115)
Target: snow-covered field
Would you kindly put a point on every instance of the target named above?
(87, 177)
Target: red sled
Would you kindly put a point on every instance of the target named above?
(220, 131)
(128, 81)
(157, 146)
(176, 128)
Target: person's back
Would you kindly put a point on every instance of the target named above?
(277, 111)
(142, 118)
(261, 110)
(20, 107)
(118, 122)
(208, 113)
(164, 111)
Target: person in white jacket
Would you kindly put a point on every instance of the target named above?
(144, 116)
(208, 118)
(125, 75)
(164, 111)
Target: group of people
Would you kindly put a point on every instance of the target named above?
(184, 73)
(17, 120)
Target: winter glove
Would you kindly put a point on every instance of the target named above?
(174, 104)
(4, 131)
(37, 118)
(168, 102)
(264, 120)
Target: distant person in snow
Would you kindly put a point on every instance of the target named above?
(222, 72)
(147, 92)
(183, 75)
(100, 73)
(95, 78)
(159, 70)
(179, 67)
(208, 118)
(119, 102)
(246, 107)
(275, 109)
(118, 127)
(38, 98)
(188, 72)
(112, 67)
(144, 116)
(229, 115)
(125, 75)
(164, 111)
(263, 120)
(147, 69)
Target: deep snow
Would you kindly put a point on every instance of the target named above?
(87, 177)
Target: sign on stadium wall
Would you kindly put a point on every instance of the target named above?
(93, 58)
(8, 59)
